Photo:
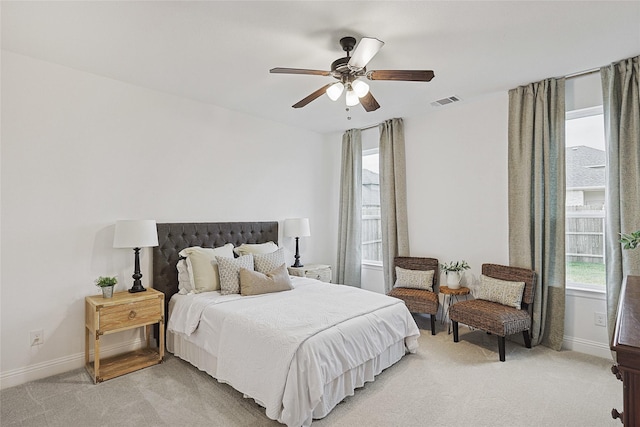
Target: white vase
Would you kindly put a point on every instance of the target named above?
(453, 279)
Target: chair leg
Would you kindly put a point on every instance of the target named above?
(433, 324)
(455, 330)
(501, 348)
(527, 339)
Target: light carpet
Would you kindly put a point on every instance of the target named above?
(444, 384)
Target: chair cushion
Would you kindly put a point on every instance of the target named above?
(491, 317)
(417, 300)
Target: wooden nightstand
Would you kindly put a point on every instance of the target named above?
(123, 312)
(315, 271)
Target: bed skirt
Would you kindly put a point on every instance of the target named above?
(334, 391)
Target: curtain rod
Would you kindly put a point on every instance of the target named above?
(368, 127)
(582, 73)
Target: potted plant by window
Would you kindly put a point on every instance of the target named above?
(107, 284)
(454, 271)
(630, 241)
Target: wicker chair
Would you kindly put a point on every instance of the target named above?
(496, 318)
(419, 300)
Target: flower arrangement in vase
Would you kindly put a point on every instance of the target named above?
(454, 272)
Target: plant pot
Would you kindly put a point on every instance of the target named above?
(107, 291)
(453, 279)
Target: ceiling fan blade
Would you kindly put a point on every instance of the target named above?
(366, 49)
(280, 70)
(401, 75)
(313, 96)
(369, 102)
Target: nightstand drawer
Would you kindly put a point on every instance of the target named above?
(324, 275)
(130, 315)
(320, 272)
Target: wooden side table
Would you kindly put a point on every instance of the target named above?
(446, 304)
(321, 272)
(123, 312)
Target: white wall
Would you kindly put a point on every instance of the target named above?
(80, 151)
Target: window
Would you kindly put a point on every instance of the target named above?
(585, 198)
(371, 224)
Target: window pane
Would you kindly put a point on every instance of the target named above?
(371, 225)
(585, 197)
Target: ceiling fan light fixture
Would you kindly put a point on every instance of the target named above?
(352, 98)
(360, 88)
(335, 90)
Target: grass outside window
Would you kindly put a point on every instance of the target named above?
(586, 273)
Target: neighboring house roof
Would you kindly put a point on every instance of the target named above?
(585, 167)
(370, 188)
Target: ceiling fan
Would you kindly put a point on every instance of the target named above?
(350, 71)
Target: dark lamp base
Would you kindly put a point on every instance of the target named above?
(135, 289)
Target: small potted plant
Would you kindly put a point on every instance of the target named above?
(107, 284)
(630, 241)
(454, 271)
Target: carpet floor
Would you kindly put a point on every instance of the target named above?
(443, 384)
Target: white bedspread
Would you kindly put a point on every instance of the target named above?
(282, 348)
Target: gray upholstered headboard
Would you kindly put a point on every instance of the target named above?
(174, 237)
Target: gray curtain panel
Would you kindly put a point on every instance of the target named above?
(537, 200)
(393, 196)
(350, 216)
(621, 104)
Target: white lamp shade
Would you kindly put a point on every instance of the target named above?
(351, 98)
(135, 234)
(297, 227)
(360, 88)
(335, 90)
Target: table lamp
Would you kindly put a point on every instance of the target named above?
(136, 234)
(297, 227)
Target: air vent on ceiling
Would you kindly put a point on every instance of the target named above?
(445, 101)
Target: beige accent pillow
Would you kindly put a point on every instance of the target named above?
(416, 279)
(256, 248)
(203, 268)
(256, 283)
(230, 272)
(501, 291)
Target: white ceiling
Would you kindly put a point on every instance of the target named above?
(220, 52)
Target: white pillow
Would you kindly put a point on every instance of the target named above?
(256, 248)
(416, 279)
(266, 263)
(184, 281)
(203, 268)
(501, 291)
(230, 272)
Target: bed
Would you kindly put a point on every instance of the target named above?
(296, 353)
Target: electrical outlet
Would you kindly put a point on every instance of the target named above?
(600, 319)
(36, 337)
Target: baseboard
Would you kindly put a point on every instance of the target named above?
(593, 348)
(62, 364)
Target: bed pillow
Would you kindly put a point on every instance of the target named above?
(256, 283)
(203, 268)
(230, 272)
(256, 248)
(416, 279)
(266, 263)
(501, 291)
(184, 281)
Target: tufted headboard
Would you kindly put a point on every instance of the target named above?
(174, 237)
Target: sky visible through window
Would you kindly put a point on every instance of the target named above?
(587, 131)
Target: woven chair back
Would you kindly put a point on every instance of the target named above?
(514, 274)
(417, 263)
